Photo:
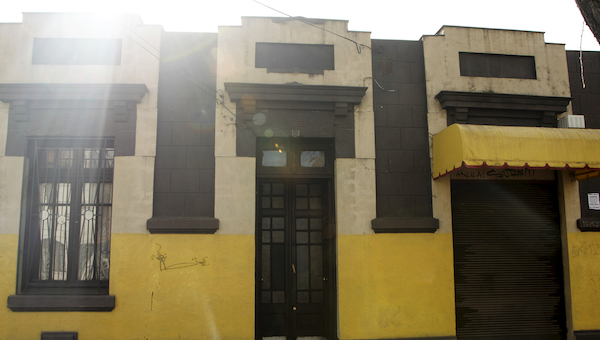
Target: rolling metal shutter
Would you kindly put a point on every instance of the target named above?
(508, 262)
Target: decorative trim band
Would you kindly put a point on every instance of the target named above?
(182, 225)
(405, 225)
(296, 92)
(61, 303)
(502, 101)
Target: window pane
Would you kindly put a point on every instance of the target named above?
(312, 159)
(71, 209)
(54, 222)
(94, 233)
(274, 158)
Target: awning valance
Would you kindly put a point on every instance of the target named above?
(514, 147)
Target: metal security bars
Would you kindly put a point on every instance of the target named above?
(66, 248)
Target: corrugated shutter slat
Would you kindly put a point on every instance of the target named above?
(508, 263)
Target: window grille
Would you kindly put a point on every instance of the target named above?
(69, 205)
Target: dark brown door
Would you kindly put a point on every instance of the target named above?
(295, 249)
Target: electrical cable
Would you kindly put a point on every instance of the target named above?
(381, 87)
(581, 54)
(358, 45)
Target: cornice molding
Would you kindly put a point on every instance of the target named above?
(453, 99)
(104, 92)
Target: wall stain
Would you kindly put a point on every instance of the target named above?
(162, 259)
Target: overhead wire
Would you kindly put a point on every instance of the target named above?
(185, 75)
(359, 46)
(581, 54)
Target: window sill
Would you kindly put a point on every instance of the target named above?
(405, 225)
(182, 225)
(61, 303)
(587, 335)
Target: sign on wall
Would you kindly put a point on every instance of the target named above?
(594, 201)
(502, 173)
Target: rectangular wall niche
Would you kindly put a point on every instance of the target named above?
(291, 58)
(67, 51)
(497, 65)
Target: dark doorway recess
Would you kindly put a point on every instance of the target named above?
(295, 238)
(508, 263)
(294, 258)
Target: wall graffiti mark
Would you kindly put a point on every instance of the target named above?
(592, 249)
(162, 259)
(494, 173)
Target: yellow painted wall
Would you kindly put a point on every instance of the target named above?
(584, 266)
(193, 302)
(395, 286)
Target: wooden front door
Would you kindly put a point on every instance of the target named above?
(295, 252)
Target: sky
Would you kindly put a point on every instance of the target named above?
(385, 19)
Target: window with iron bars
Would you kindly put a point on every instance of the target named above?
(66, 243)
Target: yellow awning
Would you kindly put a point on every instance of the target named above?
(514, 147)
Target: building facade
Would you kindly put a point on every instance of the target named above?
(274, 180)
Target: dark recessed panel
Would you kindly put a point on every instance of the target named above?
(497, 65)
(289, 58)
(63, 51)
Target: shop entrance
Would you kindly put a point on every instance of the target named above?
(508, 262)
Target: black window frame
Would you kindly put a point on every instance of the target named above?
(29, 281)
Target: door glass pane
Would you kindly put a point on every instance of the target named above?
(301, 190)
(302, 224)
(315, 189)
(316, 237)
(278, 267)
(316, 267)
(316, 223)
(277, 202)
(278, 223)
(316, 297)
(266, 296)
(266, 188)
(302, 237)
(279, 296)
(266, 266)
(315, 203)
(303, 297)
(278, 189)
(274, 158)
(302, 270)
(278, 237)
(312, 159)
(266, 202)
(266, 223)
(302, 203)
(266, 236)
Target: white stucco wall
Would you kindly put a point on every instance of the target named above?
(442, 73)
(137, 66)
(236, 63)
